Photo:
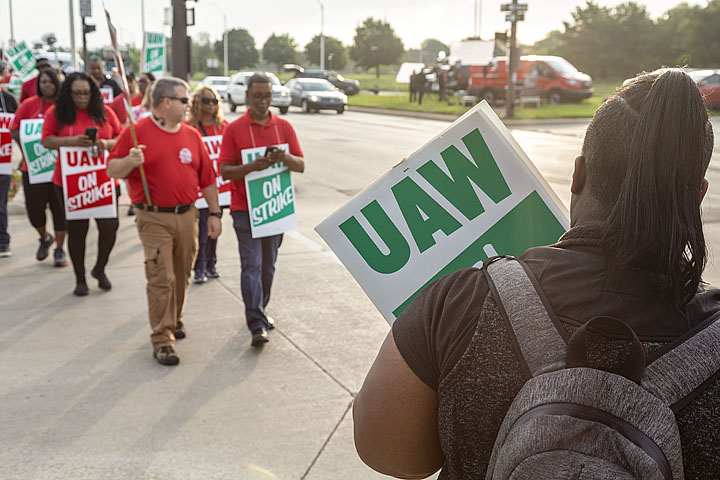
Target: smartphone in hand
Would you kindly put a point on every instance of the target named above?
(91, 133)
(270, 149)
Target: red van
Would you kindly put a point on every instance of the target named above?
(557, 79)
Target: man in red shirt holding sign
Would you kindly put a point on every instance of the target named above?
(257, 128)
(176, 164)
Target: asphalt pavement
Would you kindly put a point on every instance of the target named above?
(82, 397)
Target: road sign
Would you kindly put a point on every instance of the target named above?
(515, 17)
(514, 7)
(85, 8)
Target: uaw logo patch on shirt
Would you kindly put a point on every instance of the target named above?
(185, 155)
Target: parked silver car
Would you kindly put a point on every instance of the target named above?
(314, 94)
(218, 83)
(238, 85)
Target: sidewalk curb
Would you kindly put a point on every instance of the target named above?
(450, 118)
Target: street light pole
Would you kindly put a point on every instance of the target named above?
(72, 36)
(225, 37)
(322, 37)
(12, 29)
(517, 13)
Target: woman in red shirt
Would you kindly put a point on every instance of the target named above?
(39, 195)
(80, 106)
(206, 115)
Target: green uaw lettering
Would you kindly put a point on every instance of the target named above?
(398, 248)
(457, 188)
(413, 200)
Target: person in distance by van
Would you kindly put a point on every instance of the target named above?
(524, 366)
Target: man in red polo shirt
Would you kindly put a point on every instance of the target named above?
(176, 164)
(257, 128)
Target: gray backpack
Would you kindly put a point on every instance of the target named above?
(570, 421)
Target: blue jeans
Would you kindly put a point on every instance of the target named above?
(4, 189)
(257, 265)
(207, 247)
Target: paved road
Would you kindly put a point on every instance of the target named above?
(82, 397)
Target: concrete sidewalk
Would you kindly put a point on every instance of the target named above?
(82, 396)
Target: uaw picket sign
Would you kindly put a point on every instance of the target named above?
(213, 145)
(270, 195)
(6, 146)
(154, 54)
(88, 191)
(22, 61)
(468, 194)
(40, 161)
(107, 94)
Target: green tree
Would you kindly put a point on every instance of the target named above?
(336, 56)
(376, 44)
(280, 49)
(202, 49)
(241, 49)
(434, 46)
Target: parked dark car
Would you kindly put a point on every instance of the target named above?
(314, 94)
(347, 85)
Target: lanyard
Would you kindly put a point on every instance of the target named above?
(252, 135)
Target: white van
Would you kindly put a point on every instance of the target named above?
(238, 85)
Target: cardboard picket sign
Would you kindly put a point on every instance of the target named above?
(22, 61)
(39, 160)
(213, 145)
(270, 195)
(154, 54)
(107, 94)
(87, 190)
(468, 194)
(6, 145)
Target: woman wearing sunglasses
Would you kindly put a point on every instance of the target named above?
(80, 106)
(206, 115)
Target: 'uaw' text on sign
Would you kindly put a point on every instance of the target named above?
(87, 189)
(469, 194)
(40, 161)
(212, 143)
(270, 195)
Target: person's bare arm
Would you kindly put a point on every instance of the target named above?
(293, 162)
(121, 167)
(238, 172)
(211, 197)
(54, 142)
(395, 417)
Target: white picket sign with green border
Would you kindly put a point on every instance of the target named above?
(270, 195)
(154, 54)
(468, 194)
(40, 161)
(22, 60)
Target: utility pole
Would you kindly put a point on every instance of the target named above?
(72, 37)
(12, 29)
(517, 14)
(180, 40)
(86, 11)
(322, 36)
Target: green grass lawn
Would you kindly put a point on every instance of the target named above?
(582, 109)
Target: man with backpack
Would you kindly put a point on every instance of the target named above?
(594, 358)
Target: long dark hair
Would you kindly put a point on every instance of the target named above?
(647, 150)
(65, 107)
(49, 72)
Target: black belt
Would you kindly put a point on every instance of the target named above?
(154, 208)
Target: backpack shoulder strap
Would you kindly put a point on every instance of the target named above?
(690, 364)
(540, 343)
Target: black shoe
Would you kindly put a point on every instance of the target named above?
(5, 251)
(271, 323)
(103, 280)
(199, 278)
(212, 273)
(179, 330)
(81, 288)
(259, 337)
(44, 248)
(166, 355)
(131, 211)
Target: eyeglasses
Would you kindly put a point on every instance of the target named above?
(257, 96)
(80, 93)
(183, 100)
(208, 101)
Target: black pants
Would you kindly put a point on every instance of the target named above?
(37, 197)
(77, 233)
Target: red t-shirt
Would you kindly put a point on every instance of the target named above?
(176, 164)
(211, 130)
(118, 106)
(108, 130)
(247, 133)
(29, 89)
(136, 99)
(31, 108)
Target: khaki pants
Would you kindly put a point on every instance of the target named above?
(170, 243)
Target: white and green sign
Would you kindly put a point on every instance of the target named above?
(40, 161)
(270, 195)
(469, 194)
(154, 54)
(14, 86)
(22, 60)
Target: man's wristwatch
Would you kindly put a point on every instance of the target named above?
(216, 214)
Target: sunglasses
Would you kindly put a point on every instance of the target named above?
(183, 100)
(208, 101)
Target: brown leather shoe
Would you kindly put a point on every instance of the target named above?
(166, 355)
(179, 330)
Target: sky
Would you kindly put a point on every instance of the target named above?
(413, 20)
